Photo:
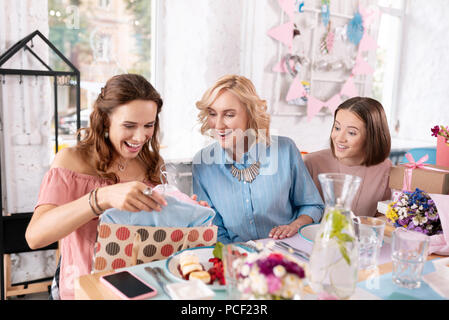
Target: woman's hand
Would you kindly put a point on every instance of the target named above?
(130, 196)
(201, 203)
(282, 232)
(287, 231)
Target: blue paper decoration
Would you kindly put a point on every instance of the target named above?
(355, 29)
(325, 11)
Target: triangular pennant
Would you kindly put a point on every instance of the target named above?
(288, 6)
(361, 66)
(296, 90)
(349, 90)
(333, 103)
(283, 33)
(368, 15)
(280, 66)
(313, 107)
(367, 43)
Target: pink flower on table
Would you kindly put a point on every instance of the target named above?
(274, 283)
(435, 131)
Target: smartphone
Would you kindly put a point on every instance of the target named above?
(128, 286)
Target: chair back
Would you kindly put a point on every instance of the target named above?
(418, 153)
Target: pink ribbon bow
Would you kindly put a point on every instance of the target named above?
(408, 173)
(415, 165)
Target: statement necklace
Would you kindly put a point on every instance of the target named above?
(247, 174)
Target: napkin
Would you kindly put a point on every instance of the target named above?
(439, 284)
(181, 211)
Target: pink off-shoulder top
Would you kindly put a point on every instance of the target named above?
(60, 186)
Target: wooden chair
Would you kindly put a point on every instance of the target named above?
(12, 230)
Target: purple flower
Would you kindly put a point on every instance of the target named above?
(435, 131)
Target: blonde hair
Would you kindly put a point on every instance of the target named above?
(244, 90)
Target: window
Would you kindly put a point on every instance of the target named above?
(387, 61)
(102, 38)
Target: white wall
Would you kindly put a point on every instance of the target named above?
(423, 92)
(199, 42)
(26, 113)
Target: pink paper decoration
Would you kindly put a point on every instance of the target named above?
(361, 66)
(367, 43)
(283, 33)
(333, 102)
(349, 88)
(368, 15)
(288, 6)
(313, 107)
(280, 66)
(296, 90)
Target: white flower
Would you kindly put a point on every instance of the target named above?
(245, 270)
(414, 206)
(279, 271)
(258, 284)
(418, 220)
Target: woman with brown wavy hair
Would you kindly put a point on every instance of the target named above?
(114, 165)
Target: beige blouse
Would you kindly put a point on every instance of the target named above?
(373, 188)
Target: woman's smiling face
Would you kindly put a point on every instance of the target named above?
(228, 119)
(131, 126)
(348, 138)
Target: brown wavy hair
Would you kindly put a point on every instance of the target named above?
(243, 88)
(119, 90)
(378, 140)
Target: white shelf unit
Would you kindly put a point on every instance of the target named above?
(363, 82)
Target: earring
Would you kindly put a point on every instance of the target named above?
(106, 135)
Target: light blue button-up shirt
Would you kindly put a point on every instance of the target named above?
(281, 193)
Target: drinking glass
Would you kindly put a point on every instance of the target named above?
(409, 253)
(369, 232)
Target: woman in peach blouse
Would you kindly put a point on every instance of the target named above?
(115, 165)
(359, 145)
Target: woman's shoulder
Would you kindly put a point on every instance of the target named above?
(320, 155)
(73, 159)
(383, 166)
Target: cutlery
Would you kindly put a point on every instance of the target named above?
(162, 273)
(155, 275)
(297, 252)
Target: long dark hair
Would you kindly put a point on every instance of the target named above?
(378, 140)
(120, 90)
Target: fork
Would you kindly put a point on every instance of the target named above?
(158, 279)
(296, 252)
(162, 273)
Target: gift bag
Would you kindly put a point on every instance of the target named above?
(439, 244)
(119, 246)
(129, 238)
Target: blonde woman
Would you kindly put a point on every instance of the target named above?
(257, 184)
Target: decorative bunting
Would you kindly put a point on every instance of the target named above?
(333, 102)
(367, 43)
(361, 66)
(280, 66)
(349, 89)
(313, 107)
(288, 6)
(296, 90)
(283, 33)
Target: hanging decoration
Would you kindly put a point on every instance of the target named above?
(355, 32)
(325, 11)
(355, 29)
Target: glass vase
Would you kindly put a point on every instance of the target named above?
(334, 259)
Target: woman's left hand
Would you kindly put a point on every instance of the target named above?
(282, 232)
(201, 203)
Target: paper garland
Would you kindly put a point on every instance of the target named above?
(284, 34)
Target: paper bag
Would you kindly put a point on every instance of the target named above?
(121, 246)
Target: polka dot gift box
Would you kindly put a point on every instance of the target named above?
(120, 245)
